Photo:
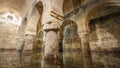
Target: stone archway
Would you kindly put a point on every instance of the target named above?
(83, 18)
(104, 24)
(69, 36)
(91, 13)
(38, 42)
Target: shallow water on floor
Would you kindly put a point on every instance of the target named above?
(69, 59)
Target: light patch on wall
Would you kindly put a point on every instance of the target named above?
(10, 18)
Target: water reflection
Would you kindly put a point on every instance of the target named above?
(9, 59)
(106, 60)
(70, 59)
(50, 65)
(39, 62)
(87, 60)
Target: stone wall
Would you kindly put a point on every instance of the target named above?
(8, 37)
(105, 33)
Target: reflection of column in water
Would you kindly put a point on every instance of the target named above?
(26, 59)
(45, 64)
(87, 61)
(20, 59)
(36, 59)
(67, 59)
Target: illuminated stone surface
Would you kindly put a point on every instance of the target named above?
(59, 26)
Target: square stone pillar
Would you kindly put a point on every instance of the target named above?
(28, 45)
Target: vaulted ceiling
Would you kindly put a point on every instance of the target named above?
(70, 5)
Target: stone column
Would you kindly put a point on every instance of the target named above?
(84, 36)
(86, 53)
(51, 41)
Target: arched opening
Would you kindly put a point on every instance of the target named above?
(38, 43)
(69, 36)
(104, 28)
(70, 43)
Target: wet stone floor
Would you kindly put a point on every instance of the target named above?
(69, 59)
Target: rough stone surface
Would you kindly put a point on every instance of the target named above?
(8, 37)
(51, 44)
(105, 33)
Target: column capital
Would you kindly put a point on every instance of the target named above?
(54, 26)
(83, 34)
